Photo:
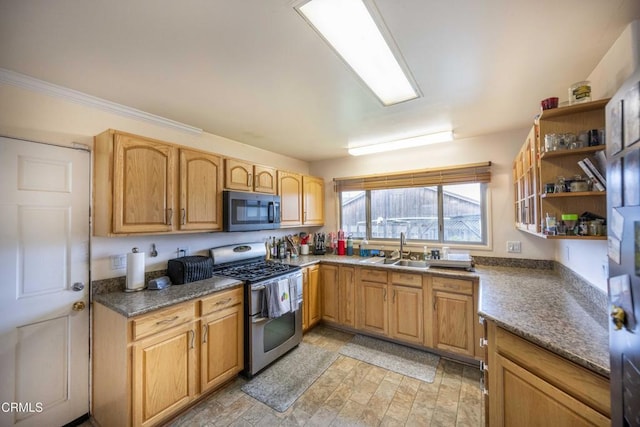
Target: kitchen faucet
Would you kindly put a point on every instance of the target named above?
(403, 241)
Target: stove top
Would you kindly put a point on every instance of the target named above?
(255, 271)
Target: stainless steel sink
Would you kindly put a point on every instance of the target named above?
(391, 261)
(411, 263)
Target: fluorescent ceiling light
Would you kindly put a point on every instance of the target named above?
(349, 27)
(398, 144)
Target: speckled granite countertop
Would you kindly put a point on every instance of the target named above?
(536, 304)
(131, 304)
(543, 306)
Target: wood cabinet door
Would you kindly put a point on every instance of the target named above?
(221, 347)
(264, 179)
(313, 296)
(518, 397)
(329, 293)
(164, 374)
(347, 295)
(290, 191)
(372, 306)
(143, 185)
(313, 200)
(200, 191)
(238, 175)
(453, 322)
(407, 313)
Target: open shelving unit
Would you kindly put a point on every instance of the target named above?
(533, 168)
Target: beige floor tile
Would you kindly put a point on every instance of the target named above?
(353, 393)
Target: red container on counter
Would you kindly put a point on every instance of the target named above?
(341, 247)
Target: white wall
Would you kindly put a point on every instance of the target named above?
(500, 149)
(38, 117)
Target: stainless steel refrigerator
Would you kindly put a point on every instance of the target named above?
(623, 228)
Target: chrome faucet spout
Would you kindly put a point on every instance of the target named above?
(403, 241)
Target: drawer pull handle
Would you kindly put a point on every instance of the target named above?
(205, 332)
(184, 216)
(169, 216)
(165, 321)
(224, 301)
(193, 338)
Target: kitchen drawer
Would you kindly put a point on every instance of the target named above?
(220, 301)
(414, 280)
(371, 275)
(453, 285)
(161, 320)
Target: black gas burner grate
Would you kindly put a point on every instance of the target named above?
(256, 271)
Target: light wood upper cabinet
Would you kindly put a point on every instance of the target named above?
(200, 191)
(245, 176)
(313, 200)
(143, 184)
(146, 186)
(290, 192)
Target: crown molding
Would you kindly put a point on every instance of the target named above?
(50, 89)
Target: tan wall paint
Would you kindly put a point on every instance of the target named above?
(38, 117)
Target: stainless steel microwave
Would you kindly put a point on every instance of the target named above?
(250, 211)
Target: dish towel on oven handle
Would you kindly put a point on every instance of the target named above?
(293, 291)
(276, 299)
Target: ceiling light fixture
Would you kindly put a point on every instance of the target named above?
(355, 31)
(398, 144)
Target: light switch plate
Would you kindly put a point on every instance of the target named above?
(514, 247)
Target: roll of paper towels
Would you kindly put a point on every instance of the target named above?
(135, 271)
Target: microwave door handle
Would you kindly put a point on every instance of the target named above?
(271, 212)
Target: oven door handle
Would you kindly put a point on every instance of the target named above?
(259, 319)
(271, 213)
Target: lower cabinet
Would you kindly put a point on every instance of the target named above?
(222, 339)
(390, 304)
(329, 293)
(145, 368)
(530, 386)
(338, 294)
(423, 309)
(450, 315)
(164, 374)
(406, 307)
(311, 313)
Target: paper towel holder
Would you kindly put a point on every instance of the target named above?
(129, 286)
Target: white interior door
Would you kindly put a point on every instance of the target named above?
(44, 245)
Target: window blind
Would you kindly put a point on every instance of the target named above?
(461, 174)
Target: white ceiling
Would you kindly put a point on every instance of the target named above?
(255, 72)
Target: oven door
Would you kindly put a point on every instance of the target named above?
(268, 338)
(250, 211)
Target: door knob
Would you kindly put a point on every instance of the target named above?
(78, 306)
(617, 316)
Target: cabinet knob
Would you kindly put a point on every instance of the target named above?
(617, 317)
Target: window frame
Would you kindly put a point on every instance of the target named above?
(485, 221)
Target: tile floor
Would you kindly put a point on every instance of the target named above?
(353, 393)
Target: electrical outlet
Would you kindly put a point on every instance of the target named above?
(183, 251)
(514, 247)
(118, 262)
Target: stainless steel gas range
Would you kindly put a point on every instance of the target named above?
(273, 302)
